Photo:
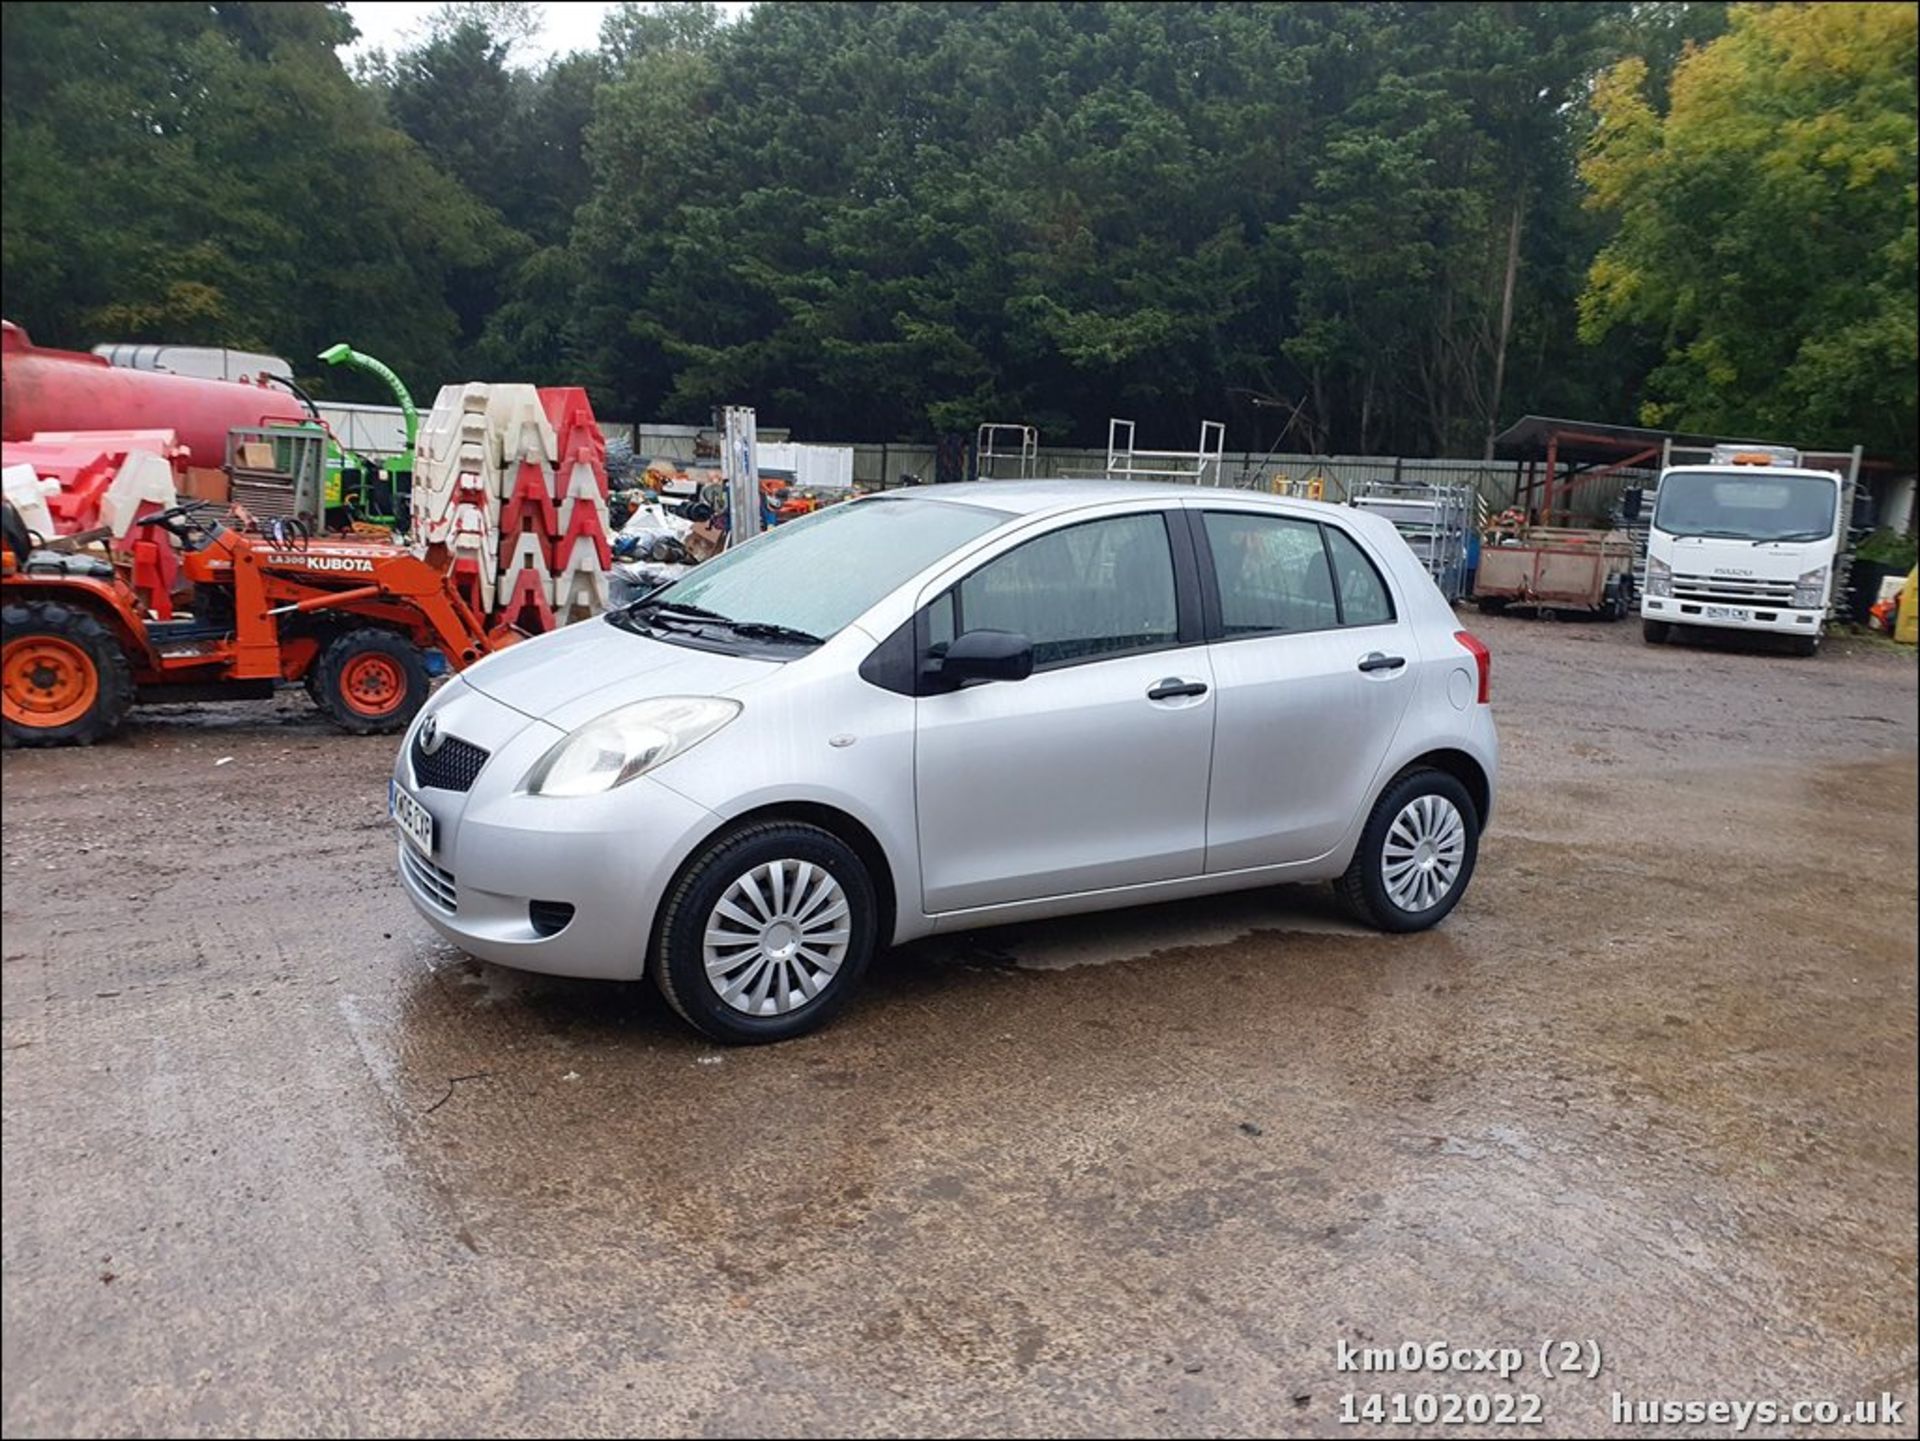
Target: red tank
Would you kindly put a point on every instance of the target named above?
(66, 390)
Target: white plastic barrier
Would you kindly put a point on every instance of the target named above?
(28, 493)
(144, 478)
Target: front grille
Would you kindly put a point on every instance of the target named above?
(430, 880)
(1724, 590)
(453, 767)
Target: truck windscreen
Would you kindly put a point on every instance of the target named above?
(1757, 507)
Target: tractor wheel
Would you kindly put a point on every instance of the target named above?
(64, 679)
(369, 682)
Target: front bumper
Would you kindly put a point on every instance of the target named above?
(497, 851)
(1780, 619)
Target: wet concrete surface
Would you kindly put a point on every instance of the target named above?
(278, 1160)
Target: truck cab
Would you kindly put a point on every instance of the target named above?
(1746, 542)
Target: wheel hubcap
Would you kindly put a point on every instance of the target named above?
(776, 937)
(1426, 846)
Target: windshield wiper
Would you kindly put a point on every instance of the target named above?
(1793, 535)
(674, 611)
(698, 616)
(768, 630)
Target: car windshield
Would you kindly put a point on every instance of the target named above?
(802, 581)
(1757, 507)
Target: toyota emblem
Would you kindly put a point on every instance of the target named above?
(430, 737)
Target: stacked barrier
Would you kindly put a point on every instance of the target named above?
(527, 518)
(582, 553)
(512, 482)
(456, 491)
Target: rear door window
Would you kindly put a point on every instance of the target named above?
(1273, 573)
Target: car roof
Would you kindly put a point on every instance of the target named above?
(1040, 497)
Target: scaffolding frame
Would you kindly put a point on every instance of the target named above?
(1188, 467)
(985, 454)
(1436, 521)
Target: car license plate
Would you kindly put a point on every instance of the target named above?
(415, 820)
(1725, 612)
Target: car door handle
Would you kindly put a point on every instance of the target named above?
(1374, 660)
(1173, 686)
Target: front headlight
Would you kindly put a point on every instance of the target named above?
(1810, 590)
(627, 742)
(1659, 577)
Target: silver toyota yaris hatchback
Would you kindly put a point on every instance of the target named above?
(945, 708)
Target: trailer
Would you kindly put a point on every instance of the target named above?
(1556, 568)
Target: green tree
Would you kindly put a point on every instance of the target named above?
(211, 174)
(1767, 226)
(891, 220)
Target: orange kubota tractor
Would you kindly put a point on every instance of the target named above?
(352, 618)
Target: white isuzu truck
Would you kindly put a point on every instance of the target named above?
(1748, 541)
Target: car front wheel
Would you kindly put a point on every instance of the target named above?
(766, 933)
(1416, 854)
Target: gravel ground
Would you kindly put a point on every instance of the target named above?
(277, 1160)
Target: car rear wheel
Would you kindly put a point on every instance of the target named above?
(766, 933)
(1416, 854)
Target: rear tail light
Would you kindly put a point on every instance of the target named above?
(1482, 660)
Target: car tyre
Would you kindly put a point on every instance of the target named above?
(1422, 807)
(801, 876)
(1655, 632)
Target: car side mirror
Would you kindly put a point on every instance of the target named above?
(988, 655)
(1863, 509)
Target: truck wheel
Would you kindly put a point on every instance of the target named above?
(1656, 631)
(370, 682)
(64, 679)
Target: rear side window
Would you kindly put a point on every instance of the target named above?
(1273, 573)
(1099, 589)
(1363, 593)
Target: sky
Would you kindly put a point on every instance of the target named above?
(570, 25)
